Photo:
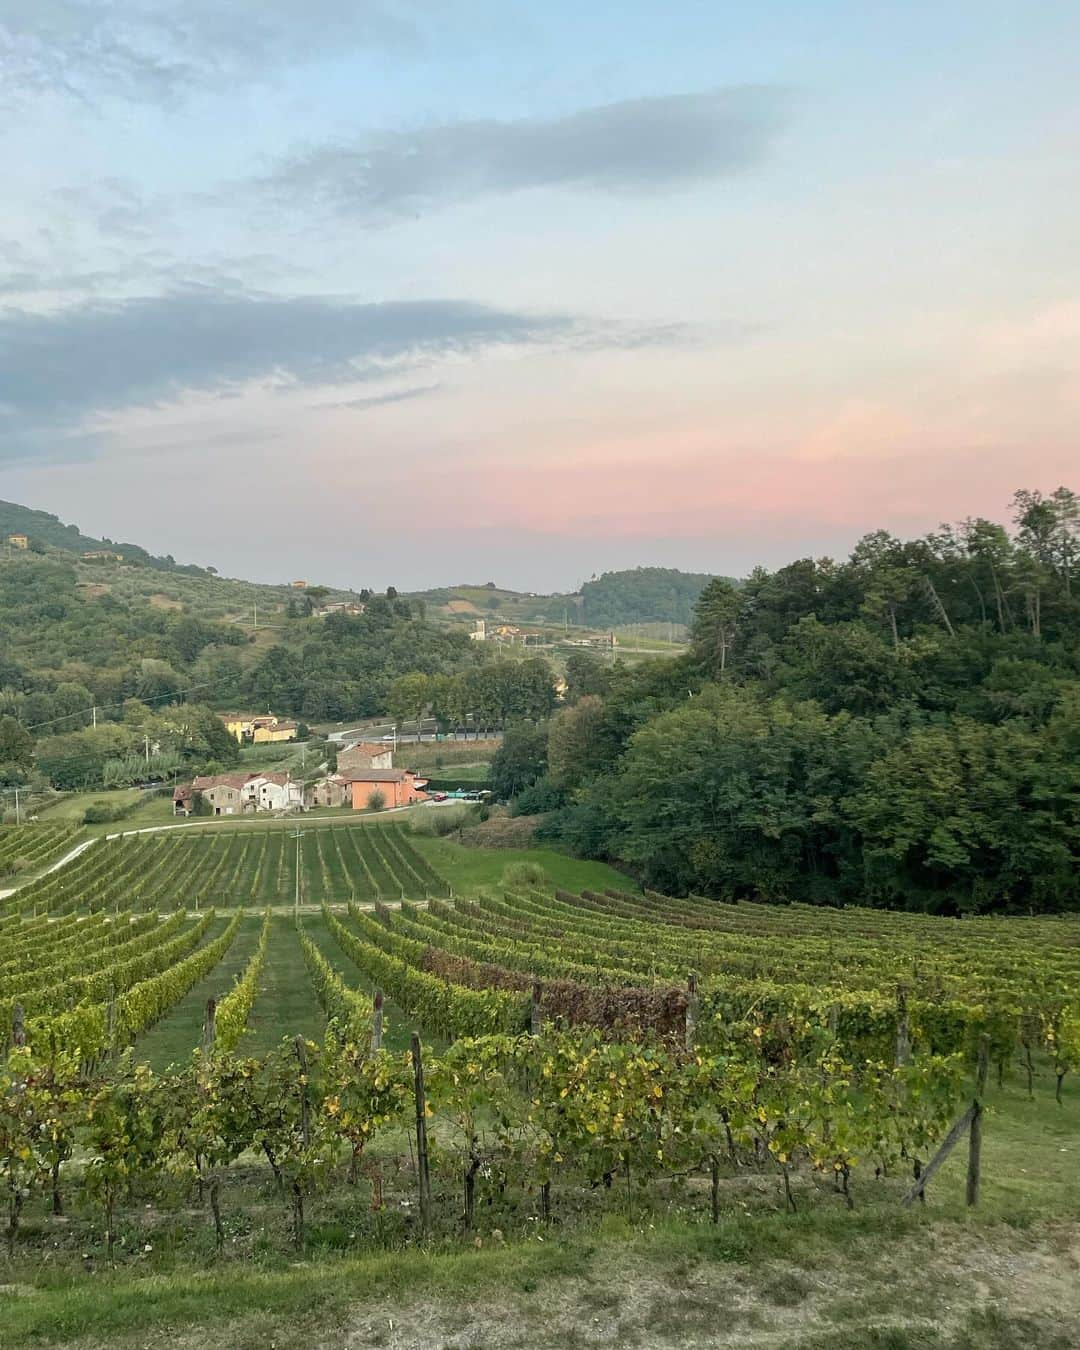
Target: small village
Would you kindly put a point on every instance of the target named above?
(365, 779)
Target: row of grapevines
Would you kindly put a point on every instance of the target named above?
(451, 1010)
(345, 1006)
(235, 1007)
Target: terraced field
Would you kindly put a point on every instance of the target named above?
(229, 868)
(31, 847)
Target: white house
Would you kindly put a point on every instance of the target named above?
(272, 792)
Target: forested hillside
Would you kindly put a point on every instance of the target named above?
(46, 530)
(901, 729)
(100, 685)
(641, 595)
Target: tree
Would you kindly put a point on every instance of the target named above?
(16, 752)
(410, 697)
(586, 673)
(715, 623)
(520, 760)
(576, 749)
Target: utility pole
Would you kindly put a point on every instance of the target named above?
(296, 902)
(93, 712)
(18, 820)
(146, 744)
(255, 618)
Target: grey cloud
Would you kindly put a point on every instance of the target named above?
(379, 400)
(59, 368)
(163, 49)
(632, 146)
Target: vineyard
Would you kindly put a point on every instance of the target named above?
(247, 867)
(573, 1050)
(29, 847)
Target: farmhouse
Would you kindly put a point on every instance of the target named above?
(222, 793)
(397, 787)
(333, 790)
(365, 755)
(350, 608)
(252, 729)
(20, 541)
(230, 794)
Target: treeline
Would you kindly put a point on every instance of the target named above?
(899, 729)
(641, 595)
(343, 666)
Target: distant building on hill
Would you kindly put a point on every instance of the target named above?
(350, 608)
(103, 555)
(19, 541)
(252, 729)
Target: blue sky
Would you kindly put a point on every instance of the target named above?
(406, 293)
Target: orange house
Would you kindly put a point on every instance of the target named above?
(398, 787)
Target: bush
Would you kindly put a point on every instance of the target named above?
(437, 821)
(528, 874)
(101, 813)
(538, 798)
(376, 800)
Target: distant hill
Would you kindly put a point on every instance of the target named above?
(642, 595)
(43, 528)
(467, 603)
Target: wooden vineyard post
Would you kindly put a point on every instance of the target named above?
(692, 1004)
(960, 1127)
(18, 1025)
(305, 1104)
(376, 1021)
(535, 1015)
(974, 1172)
(209, 1030)
(903, 1029)
(421, 1134)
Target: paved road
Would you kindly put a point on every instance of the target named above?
(427, 734)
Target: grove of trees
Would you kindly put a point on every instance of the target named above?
(899, 729)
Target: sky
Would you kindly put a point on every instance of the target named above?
(454, 290)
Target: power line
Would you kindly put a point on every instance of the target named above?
(106, 707)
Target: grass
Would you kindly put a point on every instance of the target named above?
(285, 1004)
(173, 1039)
(469, 869)
(72, 806)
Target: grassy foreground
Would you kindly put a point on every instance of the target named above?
(1004, 1277)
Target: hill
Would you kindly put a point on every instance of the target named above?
(630, 598)
(43, 529)
(642, 595)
